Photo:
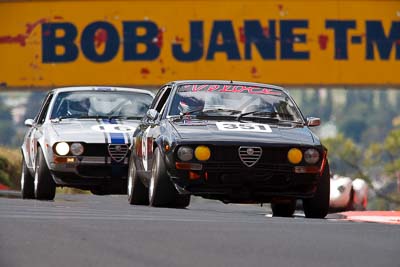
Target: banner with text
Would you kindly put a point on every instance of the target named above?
(294, 43)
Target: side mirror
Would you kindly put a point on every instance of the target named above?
(29, 122)
(152, 114)
(311, 121)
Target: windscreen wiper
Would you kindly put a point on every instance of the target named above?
(60, 118)
(124, 117)
(92, 117)
(268, 114)
(207, 111)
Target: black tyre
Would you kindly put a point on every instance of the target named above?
(44, 186)
(27, 182)
(318, 206)
(182, 201)
(137, 192)
(162, 192)
(285, 209)
(99, 191)
(350, 204)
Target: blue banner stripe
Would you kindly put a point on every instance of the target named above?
(116, 138)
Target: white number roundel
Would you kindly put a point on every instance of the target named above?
(243, 127)
(113, 128)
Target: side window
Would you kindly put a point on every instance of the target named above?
(43, 111)
(157, 97)
(161, 98)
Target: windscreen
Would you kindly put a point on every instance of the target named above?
(233, 100)
(81, 104)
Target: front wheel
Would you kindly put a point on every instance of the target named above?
(44, 186)
(162, 192)
(99, 191)
(284, 209)
(27, 182)
(318, 205)
(137, 192)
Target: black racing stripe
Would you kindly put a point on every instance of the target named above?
(105, 140)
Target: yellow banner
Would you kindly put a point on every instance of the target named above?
(323, 43)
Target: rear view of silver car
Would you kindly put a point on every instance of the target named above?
(81, 138)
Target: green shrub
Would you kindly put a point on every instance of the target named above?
(10, 167)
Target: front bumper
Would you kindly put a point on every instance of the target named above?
(245, 184)
(87, 170)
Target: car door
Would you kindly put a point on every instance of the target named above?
(149, 131)
(36, 131)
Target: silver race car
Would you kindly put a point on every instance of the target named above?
(81, 138)
(347, 194)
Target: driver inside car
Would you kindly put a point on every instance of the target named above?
(183, 105)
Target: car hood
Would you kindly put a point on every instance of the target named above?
(212, 131)
(93, 131)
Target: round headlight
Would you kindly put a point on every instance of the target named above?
(311, 156)
(202, 153)
(62, 148)
(185, 153)
(77, 149)
(295, 155)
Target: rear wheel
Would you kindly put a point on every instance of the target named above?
(27, 182)
(44, 186)
(137, 192)
(284, 209)
(162, 192)
(318, 205)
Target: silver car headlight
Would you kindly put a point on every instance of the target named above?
(77, 149)
(185, 153)
(341, 189)
(62, 148)
(311, 156)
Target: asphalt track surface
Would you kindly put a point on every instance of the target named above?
(86, 230)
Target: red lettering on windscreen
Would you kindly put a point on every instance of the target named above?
(233, 89)
(243, 89)
(196, 87)
(213, 88)
(227, 89)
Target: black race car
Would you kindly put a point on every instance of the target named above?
(232, 141)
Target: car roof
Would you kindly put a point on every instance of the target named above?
(100, 88)
(231, 82)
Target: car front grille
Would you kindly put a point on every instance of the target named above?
(108, 151)
(118, 152)
(249, 155)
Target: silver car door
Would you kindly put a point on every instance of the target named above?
(37, 129)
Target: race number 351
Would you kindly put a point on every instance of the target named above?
(243, 127)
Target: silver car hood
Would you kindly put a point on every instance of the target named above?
(95, 131)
